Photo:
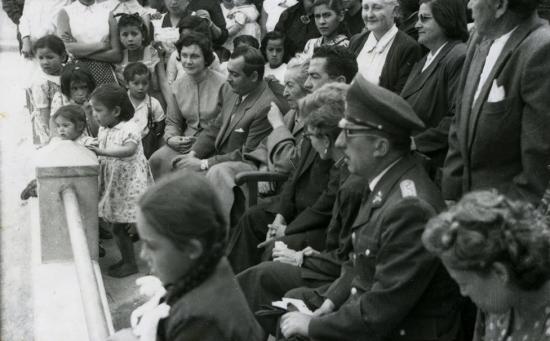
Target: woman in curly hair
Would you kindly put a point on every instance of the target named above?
(183, 230)
(498, 251)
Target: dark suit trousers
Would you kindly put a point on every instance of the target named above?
(268, 282)
(250, 231)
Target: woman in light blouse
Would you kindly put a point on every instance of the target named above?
(385, 55)
(194, 105)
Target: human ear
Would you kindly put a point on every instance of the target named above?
(340, 79)
(381, 147)
(116, 111)
(195, 249)
(254, 76)
(501, 8)
(501, 271)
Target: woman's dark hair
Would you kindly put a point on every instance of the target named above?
(134, 20)
(73, 113)
(276, 35)
(199, 39)
(253, 60)
(135, 69)
(196, 24)
(324, 108)
(112, 96)
(485, 227)
(185, 206)
(451, 16)
(74, 73)
(51, 42)
(245, 39)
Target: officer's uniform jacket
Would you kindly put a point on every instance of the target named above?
(393, 288)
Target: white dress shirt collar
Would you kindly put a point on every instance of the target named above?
(430, 57)
(380, 45)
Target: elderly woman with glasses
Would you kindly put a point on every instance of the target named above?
(385, 54)
(498, 251)
(431, 87)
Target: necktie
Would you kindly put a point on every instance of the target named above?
(237, 103)
(476, 67)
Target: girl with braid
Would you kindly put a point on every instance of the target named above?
(498, 251)
(184, 230)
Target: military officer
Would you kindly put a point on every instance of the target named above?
(391, 288)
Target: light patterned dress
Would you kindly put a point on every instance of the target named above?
(42, 91)
(493, 327)
(121, 180)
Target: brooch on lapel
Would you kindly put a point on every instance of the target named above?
(408, 188)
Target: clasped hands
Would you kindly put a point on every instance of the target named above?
(296, 323)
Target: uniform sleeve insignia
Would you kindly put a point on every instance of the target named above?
(408, 188)
(377, 198)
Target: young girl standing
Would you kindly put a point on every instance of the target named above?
(329, 16)
(275, 52)
(50, 53)
(124, 171)
(134, 38)
(77, 84)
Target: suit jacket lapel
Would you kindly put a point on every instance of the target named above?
(382, 189)
(418, 78)
(238, 113)
(515, 39)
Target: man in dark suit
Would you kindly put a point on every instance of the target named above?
(499, 136)
(305, 204)
(391, 288)
(242, 122)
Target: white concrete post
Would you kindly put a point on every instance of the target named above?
(61, 164)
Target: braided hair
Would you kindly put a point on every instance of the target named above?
(484, 228)
(181, 207)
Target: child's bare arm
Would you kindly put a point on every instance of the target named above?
(128, 149)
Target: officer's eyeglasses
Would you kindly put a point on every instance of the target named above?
(354, 132)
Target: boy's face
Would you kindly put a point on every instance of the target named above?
(79, 92)
(66, 129)
(139, 86)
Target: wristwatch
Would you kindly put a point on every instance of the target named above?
(204, 164)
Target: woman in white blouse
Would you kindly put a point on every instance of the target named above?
(90, 34)
(385, 55)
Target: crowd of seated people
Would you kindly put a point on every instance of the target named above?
(395, 157)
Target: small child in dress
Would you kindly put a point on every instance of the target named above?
(134, 38)
(70, 122)
(329, 16)
(124, 170)
(242, 19)
(274, 51)
(149, 115)
(77, 84)
(50, 53)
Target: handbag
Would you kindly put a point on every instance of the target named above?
(153, 140)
